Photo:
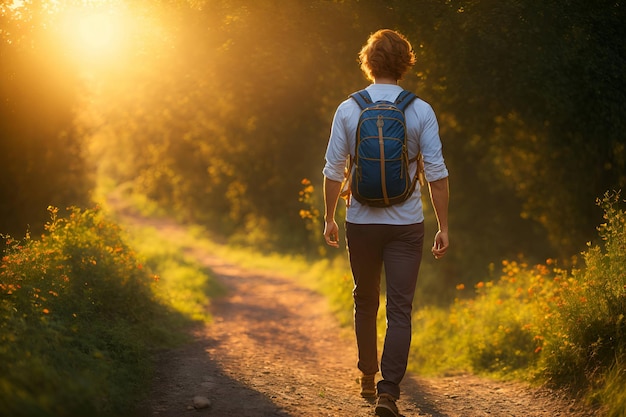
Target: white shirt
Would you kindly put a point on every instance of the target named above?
(423, 134)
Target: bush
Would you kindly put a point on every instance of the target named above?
(542, 323)
(589, 338)
(77, 317)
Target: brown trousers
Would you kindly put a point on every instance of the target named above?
(399, 249)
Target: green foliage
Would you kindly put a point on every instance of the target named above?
(77, 320)
(541, 323)
(495, 331)
(437, 342)
(592, 310)
(530, 96)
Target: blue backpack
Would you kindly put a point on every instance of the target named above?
(378, 175)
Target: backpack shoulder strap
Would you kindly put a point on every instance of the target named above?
(404, 99)
(402, 102)
(362, 98)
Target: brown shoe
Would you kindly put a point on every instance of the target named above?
(368, 387)
(386, 406)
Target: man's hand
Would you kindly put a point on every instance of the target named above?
(331, 233)
(331, 195)
(440, 245)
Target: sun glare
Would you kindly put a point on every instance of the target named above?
(96, 34)
(98, 31)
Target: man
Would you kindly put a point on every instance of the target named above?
(390, 236)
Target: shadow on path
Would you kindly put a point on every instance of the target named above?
(187, 372)
(416, 395)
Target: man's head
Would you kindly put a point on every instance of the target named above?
(387, 54)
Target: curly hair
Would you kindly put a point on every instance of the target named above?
(387, 53)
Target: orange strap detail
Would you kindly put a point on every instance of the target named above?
(381, 142)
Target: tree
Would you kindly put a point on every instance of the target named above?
(41, 156)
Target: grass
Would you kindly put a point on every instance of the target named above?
(183, 285)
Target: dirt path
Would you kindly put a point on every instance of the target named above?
(274, 349)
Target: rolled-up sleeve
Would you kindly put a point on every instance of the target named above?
(338, 147)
